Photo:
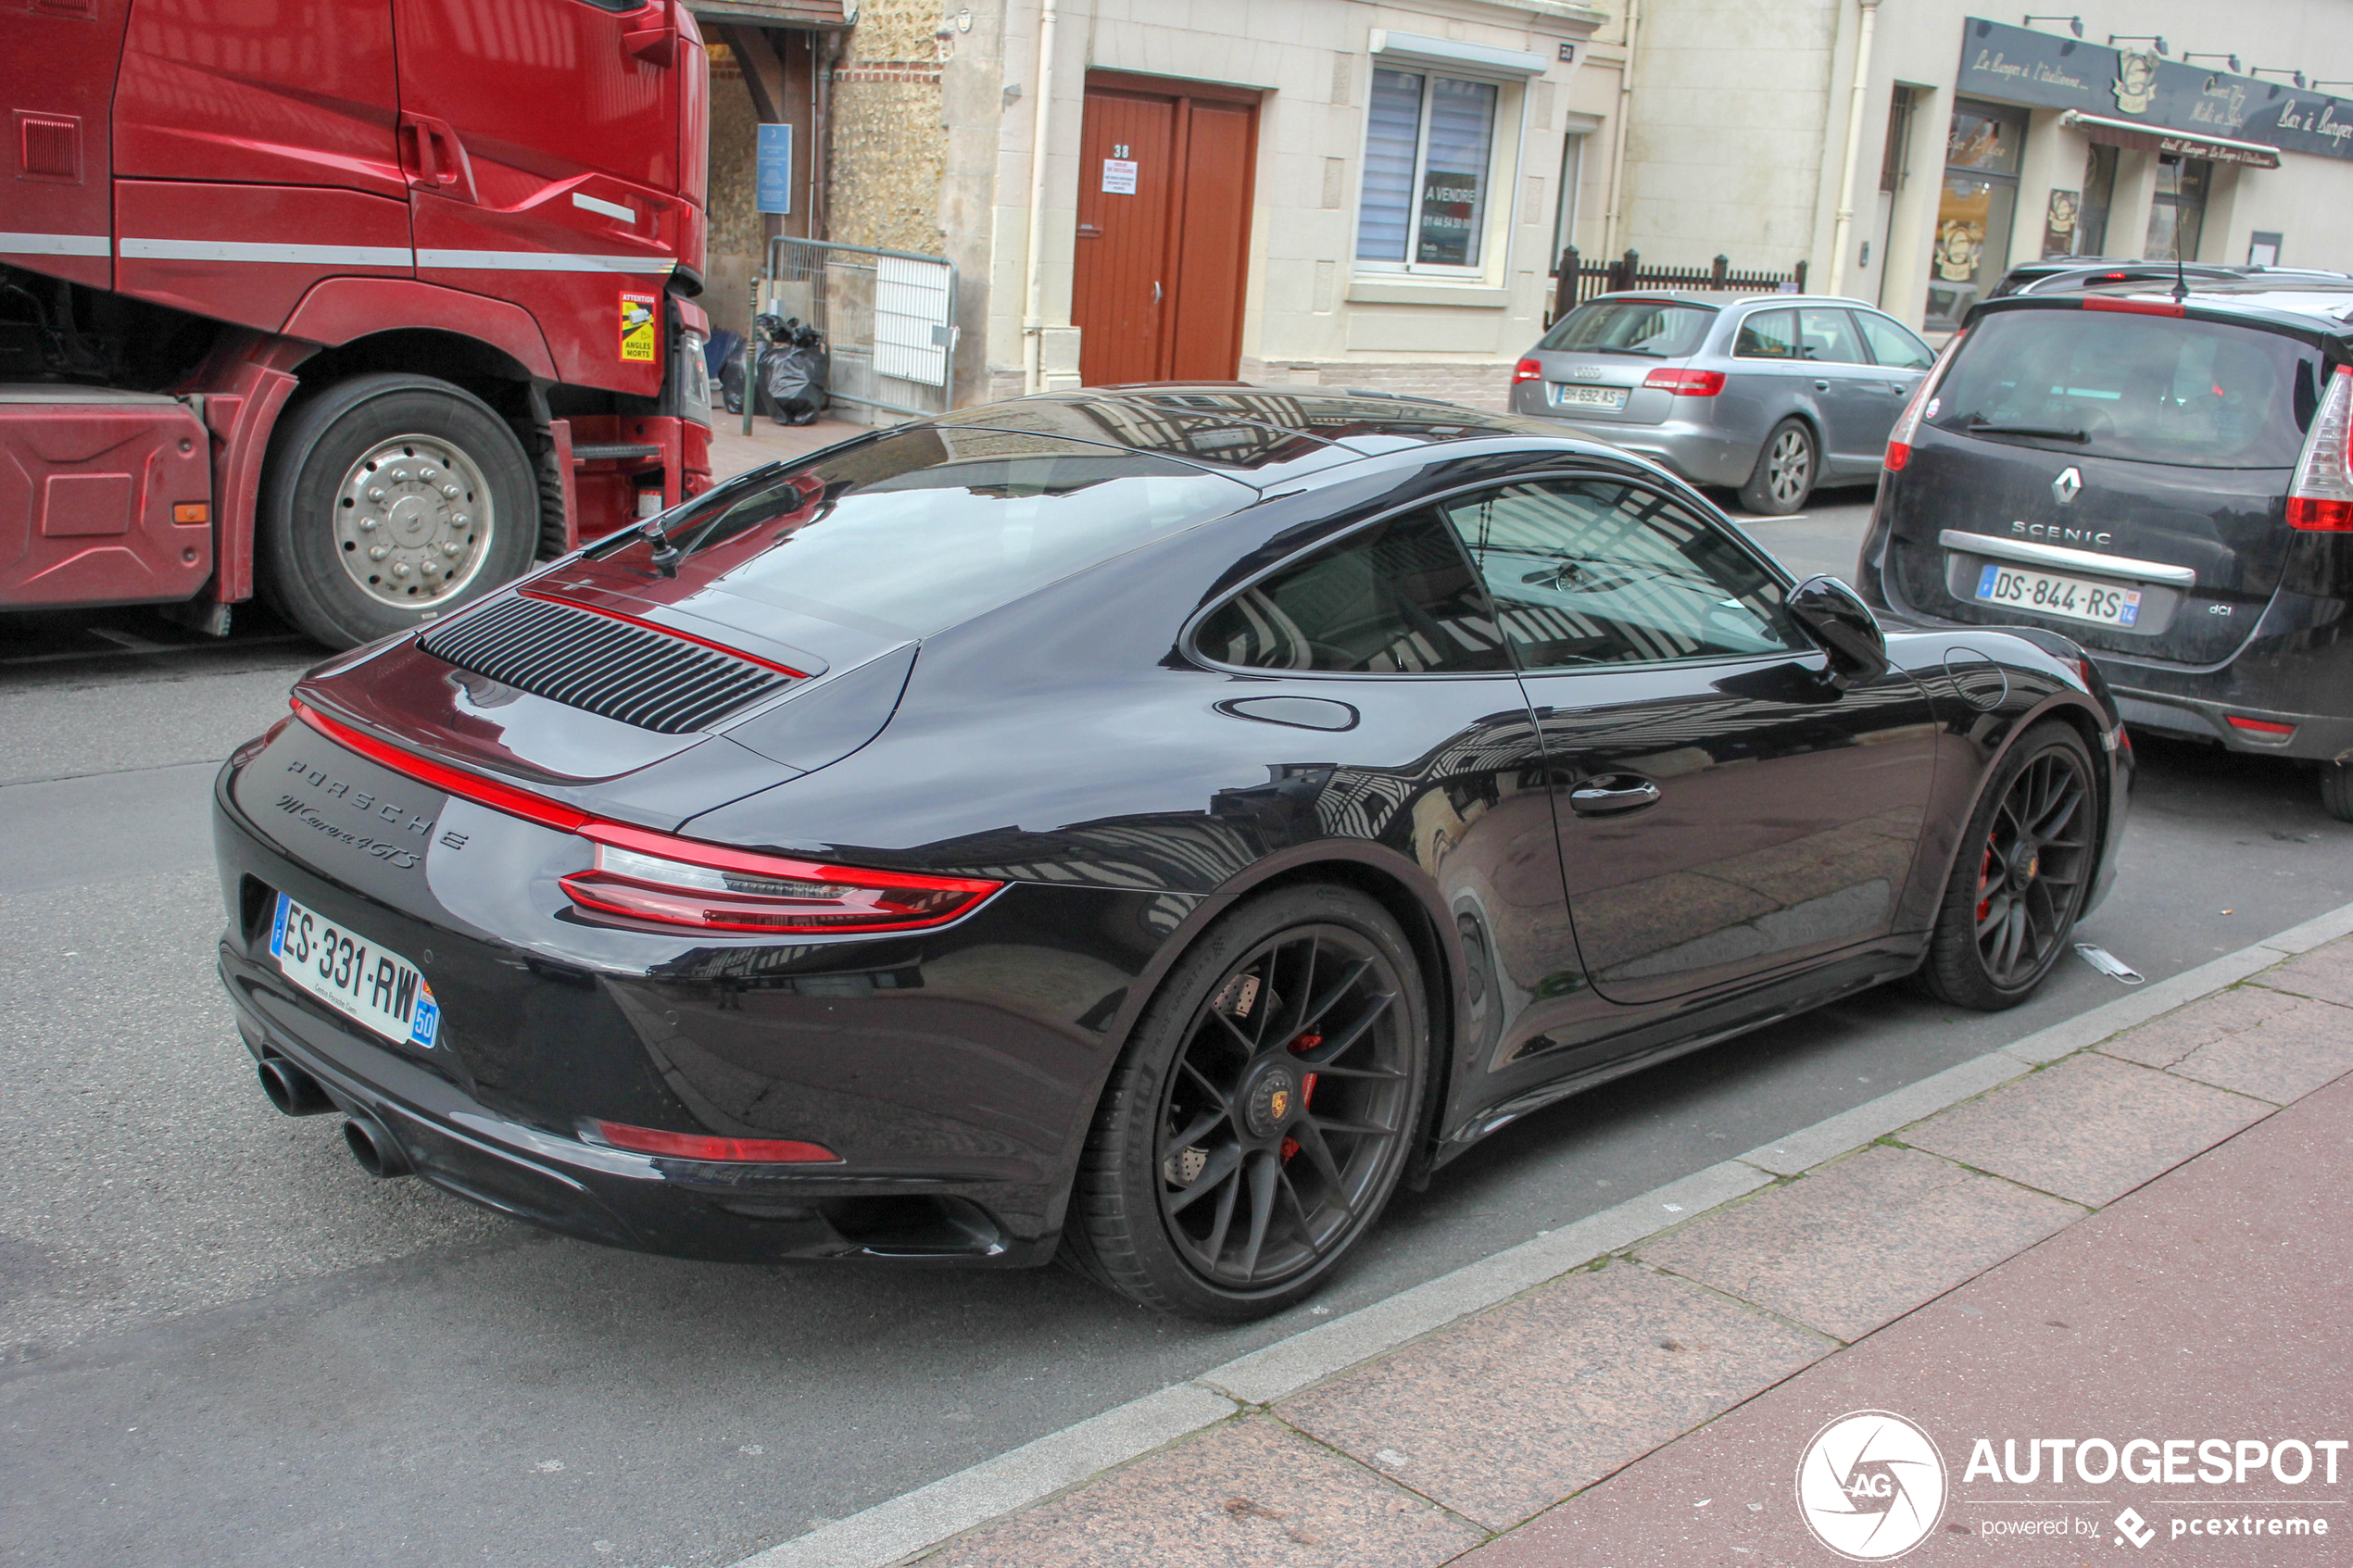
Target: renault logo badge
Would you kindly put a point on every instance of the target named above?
(2070, 480)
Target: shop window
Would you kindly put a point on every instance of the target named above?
(2177, 213)
(1974, 209)
(1429, 152)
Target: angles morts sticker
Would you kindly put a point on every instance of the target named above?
(637, 333)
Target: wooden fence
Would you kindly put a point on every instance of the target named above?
(1579, 279)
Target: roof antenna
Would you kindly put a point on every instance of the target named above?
(2180, 273)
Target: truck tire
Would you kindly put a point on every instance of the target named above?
(389, 500)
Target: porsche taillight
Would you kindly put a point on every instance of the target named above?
(661, 879)
(2321, 497)
(642, 875)
(1907, 424)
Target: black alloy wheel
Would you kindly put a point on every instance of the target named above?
(1262, 1112)
(2024, 870)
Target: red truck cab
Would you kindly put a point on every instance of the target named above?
(362, 304)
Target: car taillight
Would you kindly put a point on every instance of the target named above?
(656, 877)
(1907, 424)
(2267, 727)
(696, 1145)
(1527, 369)
(652, 876)
(2321, 497)
(1686, 383)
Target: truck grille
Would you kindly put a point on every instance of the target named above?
(621, 670)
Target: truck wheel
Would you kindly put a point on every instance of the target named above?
(391, 499)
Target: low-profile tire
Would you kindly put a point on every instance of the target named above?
(2024, 868)
(2337, 791)
(1259, 1117)
(1787, 466)
(415, 467)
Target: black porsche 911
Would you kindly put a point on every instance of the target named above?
(1145, 825)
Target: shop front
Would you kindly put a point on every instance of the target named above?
(2058, 146)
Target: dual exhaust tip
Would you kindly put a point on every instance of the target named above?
(296, 1093)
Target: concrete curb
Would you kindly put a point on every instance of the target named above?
(930, 1515)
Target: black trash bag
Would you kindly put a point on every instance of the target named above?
(793, 369)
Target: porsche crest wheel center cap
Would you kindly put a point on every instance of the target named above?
(1270, 1102)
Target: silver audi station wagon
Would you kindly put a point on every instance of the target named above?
(1768, 394)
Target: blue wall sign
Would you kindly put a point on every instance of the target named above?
(773, 180)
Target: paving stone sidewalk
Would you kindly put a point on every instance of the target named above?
(1569, 1405)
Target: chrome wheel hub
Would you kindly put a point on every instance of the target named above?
(414, 520)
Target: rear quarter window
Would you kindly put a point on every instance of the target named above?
(2152, 389)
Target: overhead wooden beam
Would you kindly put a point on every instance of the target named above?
(763, 69)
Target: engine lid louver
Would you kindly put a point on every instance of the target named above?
(625, 670)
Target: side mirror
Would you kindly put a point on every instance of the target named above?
(1842, 625)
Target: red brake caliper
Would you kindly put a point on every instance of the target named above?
(1307, 1086)
(1984, 880)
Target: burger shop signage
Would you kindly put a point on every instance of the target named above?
(2017, 65)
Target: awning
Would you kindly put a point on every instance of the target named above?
(2156, 139)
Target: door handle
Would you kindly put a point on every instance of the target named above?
(1612, 794)
(1821, 386)
(433, 159)
(1155, 291)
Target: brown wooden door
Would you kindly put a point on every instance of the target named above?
(1164, 231)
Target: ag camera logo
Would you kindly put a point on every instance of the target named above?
(1870, 1485)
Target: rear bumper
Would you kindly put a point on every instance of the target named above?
(685, 1209)
(1698, 453)
(2319, 737)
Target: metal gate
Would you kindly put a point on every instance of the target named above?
(888, 318)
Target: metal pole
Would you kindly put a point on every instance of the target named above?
(1842, 225)
(751, 347)
(1033, 325)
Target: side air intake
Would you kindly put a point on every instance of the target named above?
(625, 670)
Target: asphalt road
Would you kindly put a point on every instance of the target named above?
(221, 1343)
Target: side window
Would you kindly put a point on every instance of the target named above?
(1768, 334)
(1394, 598)
(1596, 571)
(1830, 337)
(1891, 345)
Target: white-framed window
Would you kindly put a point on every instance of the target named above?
(1565, 213)
(1431, 144)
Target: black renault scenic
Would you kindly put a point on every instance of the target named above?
(2163, 474)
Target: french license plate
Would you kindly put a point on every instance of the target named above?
(1588, 396)
(361, 981)
(2069, 597)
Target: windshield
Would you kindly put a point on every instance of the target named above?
(922, 527)
(1652, 327)
(2152, 389)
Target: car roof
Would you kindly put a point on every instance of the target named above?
(1254, 434)
(1715, 301)
(2310, 303)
